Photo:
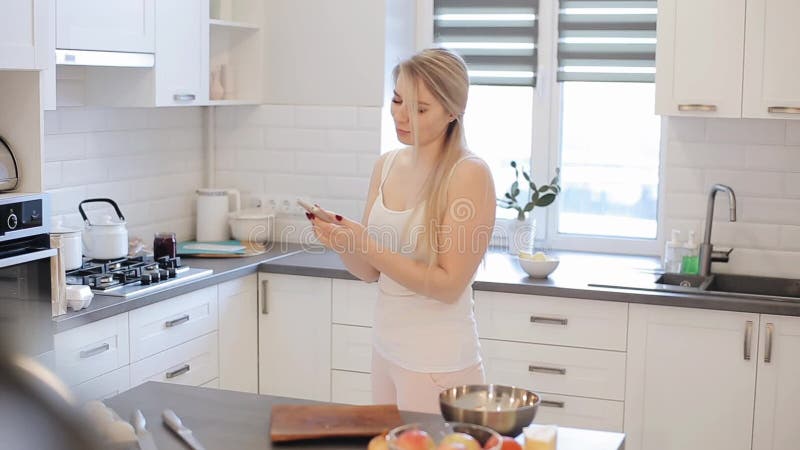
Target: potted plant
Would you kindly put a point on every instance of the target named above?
(522, 231)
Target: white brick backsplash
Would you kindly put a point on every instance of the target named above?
(327, 163)
(746, 131)
(76, 120)
(85, 171)
(52, 174)
(295, 138)
(770, 263)
(166, 209)
(763, 184)
(64, 147)
(65, 200)
(119, 191)
(51, 125)
(789, 238)
(296, 185)
(263, 161)
(270, 115)
(325, 117)
(685, 206)
(241, 137)
(349, 187)
(185, 117)
(115, 143)
(369, 118)
(684, 180)
(354, 141)
(744, 235)
(366, 164)
(225, 158)
(127, 119)
(793, 132)
(247, 182)
(776, 211)
(705, 155)
(791, 188)
(685, 129)
(773, 157)
(347, 208)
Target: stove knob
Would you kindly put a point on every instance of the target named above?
(146, 279)
(155, 276)
(164, 274)
(12, 221)
(172, 272)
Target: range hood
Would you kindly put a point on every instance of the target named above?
(66, 57)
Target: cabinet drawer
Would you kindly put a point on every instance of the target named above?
(213, 384)
(353, 388)
(193, 363)
(86, 352)
(552, 320)
(562, 370)
(351, 348)
(105, 386)
(163, 325)
(579, 412)
(354, 302)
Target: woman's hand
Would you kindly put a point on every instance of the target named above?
(342, 235)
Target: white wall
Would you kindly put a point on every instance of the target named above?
(148, 160)
(760, 160)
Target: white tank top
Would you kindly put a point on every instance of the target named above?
(416, 332)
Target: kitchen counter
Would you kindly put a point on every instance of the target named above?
(235, 420)
(499, 272)
(224, 269)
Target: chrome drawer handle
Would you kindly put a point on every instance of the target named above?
(184, 97)
(552, 404)
(784, 109)
(178, 372)
(264, 304)
(550, 370)
(95, 351)
(748, 337)
(549, 320)
(178, 321)
(768, 346)
(697, 107)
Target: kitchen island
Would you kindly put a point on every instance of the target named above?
(233, 420)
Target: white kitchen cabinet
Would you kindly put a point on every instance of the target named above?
(193, 363)
(699, 57)
(690, 380)
(238, 334)
(105, 386)
(181, 52)
(772, 59)
(354, 302)
(351, 348)
(23, 34)
(580, 412)
(122, 25)
(294, 336)
(91, 350)
(353, 388)
(778, 384)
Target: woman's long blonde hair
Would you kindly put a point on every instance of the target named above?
(444, 73)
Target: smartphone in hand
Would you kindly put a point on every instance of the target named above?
(317, 211)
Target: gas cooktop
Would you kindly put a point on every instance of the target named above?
(129, 277)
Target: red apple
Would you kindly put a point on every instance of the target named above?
(378, 443)
(414, 440)
(460, 438)
(451, 446)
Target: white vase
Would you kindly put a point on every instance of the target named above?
(520, 235)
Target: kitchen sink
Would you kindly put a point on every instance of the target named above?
(724, 285)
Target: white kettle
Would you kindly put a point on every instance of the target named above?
(213, 207)
(106, 238)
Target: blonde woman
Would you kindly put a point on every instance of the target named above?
(427, 224)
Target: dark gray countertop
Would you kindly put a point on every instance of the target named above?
(499, 272)
(225, 269)
(234, 420)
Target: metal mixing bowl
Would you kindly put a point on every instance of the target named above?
(505, 409)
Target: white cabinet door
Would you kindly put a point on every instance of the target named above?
(92, 349)
(351, 348)
(120, 25)
(354, 388)
(294, 336)
(354, 302)
(772, 59)
(181, 52)
(778, 386)
(580, 412)
(23, 34)
(690, 381)
(193, 363)
(238, 334)
(105, 386)
(699, 57)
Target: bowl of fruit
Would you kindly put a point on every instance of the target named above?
(443, 436)
(537, 265)
(505, 409)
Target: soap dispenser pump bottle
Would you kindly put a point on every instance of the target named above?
(672, 253)
(690, 263)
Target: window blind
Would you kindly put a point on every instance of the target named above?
(496, 38)
(607, 40)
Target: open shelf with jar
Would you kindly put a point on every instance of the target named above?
(236, 52)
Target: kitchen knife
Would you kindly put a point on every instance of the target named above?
(174, 423)
(142, 435)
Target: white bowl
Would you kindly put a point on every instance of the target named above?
(252, 225)
(538, 269)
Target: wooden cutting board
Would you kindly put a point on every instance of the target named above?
(298, 422)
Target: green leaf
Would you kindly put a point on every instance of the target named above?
(516, 192)
(532, 186)
(527, 177)
(535, 197)
(515, 186)
(544, 188)
(514, 164)
(529, 207)
(546, 200)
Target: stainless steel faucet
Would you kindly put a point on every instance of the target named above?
(707, 252)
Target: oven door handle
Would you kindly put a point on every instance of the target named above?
(27, 257)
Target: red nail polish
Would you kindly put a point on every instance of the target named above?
(308, 215)
(338, 217)
(312, 216)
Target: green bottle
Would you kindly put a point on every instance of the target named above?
(690, 263)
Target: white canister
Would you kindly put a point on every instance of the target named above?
(71, 247)
(213, 207)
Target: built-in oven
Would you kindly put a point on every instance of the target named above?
(25, 281)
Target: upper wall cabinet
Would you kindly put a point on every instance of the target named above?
(699, 57)
(772, 59)
(728, 58)
(23, 34)
(121, 25)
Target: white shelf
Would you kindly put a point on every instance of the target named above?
(233, 25)
(232, 102)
